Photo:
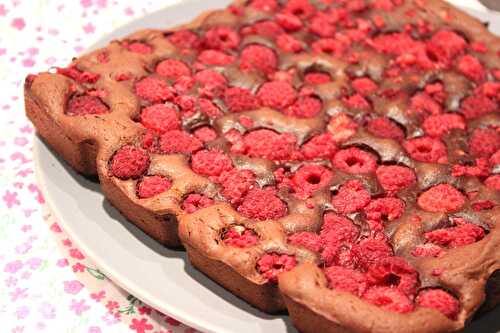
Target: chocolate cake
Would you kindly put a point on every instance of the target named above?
(337, 159)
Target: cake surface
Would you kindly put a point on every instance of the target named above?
(337, 159)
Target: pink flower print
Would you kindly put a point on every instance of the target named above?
(13, 266)
(18, 329)
(72, 287)
(10, 199)
(141, 326)
(55, 227)
(26, 275)
(25, 172)
(39, 196)
(67, 242)
(62, 262)
(20, 141)
(89, 28)
(129, 11)
(23, 248)
(19, 156)
(3, 11)
(144, 310)
(98, 296)
(10, 281)
(26, 228)
(78, 267)
(18, 293)
(34, 263)
(75, 253)
(47, 310)
(78, 307)
(111, 305)
(172, 321)
(26, 129)
(86, 3)
(18, 23)
(94, 329)
(22, 312)
(109, 319)
(40, 326)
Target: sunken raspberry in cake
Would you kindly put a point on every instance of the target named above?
(337, 159)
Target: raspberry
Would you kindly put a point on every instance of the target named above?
(300, 8)
(221, 38)
(177, 141)
(84, 105)
(269, 29)
(364, 86)
(160, 117)
(194, 202)
(424, 104)
(321, 146)
(150, 141)
(493, 182)
(239, 236)
(258, 57)
(346, 279)
(483, 205)
(139, 47)
(152, 185)
(209, 108)
(456, 236)
(439, 125)
(389, 299)
(394, 177)
(310, 178)
(354, 160)
(184, 39)
(385, 209)
(385, 128)
(153, 90)
(471, 67)
(211, 162)
(426, 149)
(317, 78)
(321, 25)
(277, 94)
(129, 162)
(304, 107)
(336, 231)
(394, 43)
(394, 271)
(369, 251)
(481, 169)
(270, 265)
(236, 184)
(267, 144)
(262, 204)
(211, 80)
(289, 22)
(442, 198)
(342, 127)
(215, 58)
(439, 300)
(309, 240)
(77, 75)
(351, 197)
(427, 250)
(172, 69)
(484, 142)
(288, 43)
(265, 5)
(495, 158)
(356, 101)
(475, 106)
(205, 134)
(240, 99)
(445, 45)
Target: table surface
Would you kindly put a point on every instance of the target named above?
(47, 284)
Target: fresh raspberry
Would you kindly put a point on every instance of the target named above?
(385, 128)
(265, 5)
(301, 8)
(211, 80)
(211, 162)
(427, 250)
(310, 178)
(321, 146)
(481, 169)
(436, 91)
(239, 236)
(442, 198)
(495, 158)
(493, 182)
(270, 265)
(177, 141)
(258, 57)
(150, 141)
(289, 22)
(309, 240)
(346, 279)
(139, 47)
(266, 28)
(236, 184)
(129, 162)
(221, 38)
(304, 107)
(152, 185)
(385, 209)
(277, 94)
(483, 205)
(207, 107)
(195, 201)
(160, 117)
(472, 68)
(386, 5)
(369, 251)
(351, 197)
(426, 149)
(184, 39)
(78, 75)
(342, 127)
(445, 45)
(322, 26)
(439, 125)
(317, 78)
(389, 299)
(424, 104)
(336, 233)
(288, 43)
(394, 271)
(354, 160)
(475, 106)
(356, 101)
(205, 134)
(84, 105)
(240, 99)
(172, 69)
(453, 237)
(364, 86)
(215, 58)
(394, 43)
(484, 142)
(267, 144)
(394, 177)
(262, 204)
(439, 300)
(153, 90)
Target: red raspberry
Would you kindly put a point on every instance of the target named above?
(288, 43)
(194, 202)
(426, 149)
(153, 90)
(239, 236)
(424, 104)
(139, 47)
(386, 5)
(369, 251)
(277, 94)
(262, 204)
(428, 250)
(394, 177)
(356, 101)
(152, 185)
(483, 205)
(385, 128)
(439, 300)
(129, 162)
(394, 43)
(351, 197)
(389, 299)
(211, 162)
(453, 237)
(211, 80)
(364, 86)
(209, 108)
(270, 265)
(240, 99)
(184, 39)
(215, 58)
(289, 22)
(236, 184)
(322, 26)
(221, 38)
(160, 117)
(442, 198)
(310, 178)
(475, 106)
(495, 158)
(385, 209)
(84, 105)
(445, 45)
(150, 141)
(439, 125)
(177, 141)
(484, 142)
(472, 68)
(265, 5)
(337, 232)
(304, 107)
(172, 69)
(267, 144)
(481, 169)
(78, 75)
(309, 240)
(205, 134)
(301, 8)
(258, 57)
(493, 182)
(269, 29)
(394, 271)
(321, 146)
(346, 279)
(317, 78)
(354, 160)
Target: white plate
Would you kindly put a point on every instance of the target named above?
(160, 277)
